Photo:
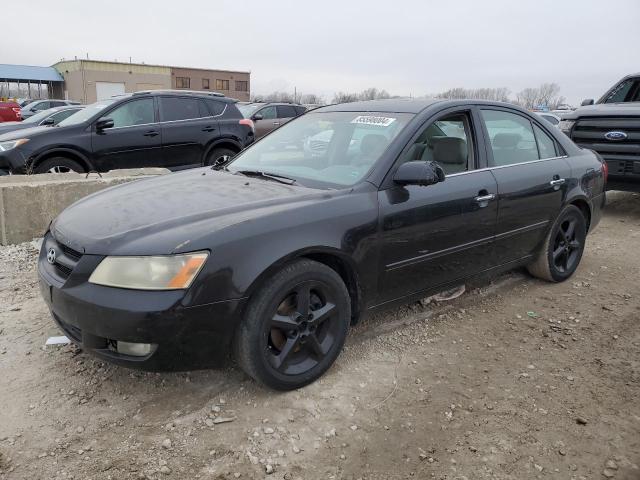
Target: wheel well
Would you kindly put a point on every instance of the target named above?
(229, 145)
(584, 208)
(348, 275)
(66, 154)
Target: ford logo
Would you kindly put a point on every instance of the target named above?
(616, 135)
(51, 256)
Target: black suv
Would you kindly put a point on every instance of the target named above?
(161, 128)
(611, 127)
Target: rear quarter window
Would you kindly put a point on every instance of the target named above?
(215, 107)
(232, 111)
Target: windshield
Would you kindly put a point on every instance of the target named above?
(331, 149)
(87, 112)
(248, 110)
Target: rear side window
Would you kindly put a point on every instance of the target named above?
(215, 107)
(181, 108)
(286, 111)
(546, 145)
(511, 137)
(300, 109)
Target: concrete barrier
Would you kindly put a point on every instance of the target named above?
(29, 202)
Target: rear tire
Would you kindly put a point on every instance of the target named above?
(220, 155)
(562, 250)
(59, 165)
(295, 326)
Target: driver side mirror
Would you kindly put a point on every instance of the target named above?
(588, 101)
(419, 173)
(104, 123)
(257, 116)
(47, 121)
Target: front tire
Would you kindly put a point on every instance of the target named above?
(295, 326)
(59, 165)
(562, 250)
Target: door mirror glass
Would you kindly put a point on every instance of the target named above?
(419, 173)
(48, 121)
(257, 116)
(588, 101)
(104, 123)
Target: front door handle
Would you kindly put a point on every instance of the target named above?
(485, 198)
(557, 182)
(151, 133)
(208, 128)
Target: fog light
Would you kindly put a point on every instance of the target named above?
(133, 349)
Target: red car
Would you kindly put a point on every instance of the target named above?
(10, 112)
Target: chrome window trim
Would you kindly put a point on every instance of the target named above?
(506, 166)
(167, 121)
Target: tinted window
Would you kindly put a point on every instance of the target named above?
(215, 107)
(286, 111)
(57, 103)
(300, 109)
(268, 113)
(622, 91)
(179, 108)
(511, 136)
(446, 141)
(546, 145)
(136, 112)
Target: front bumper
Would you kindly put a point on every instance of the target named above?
(14, 160)
(96, 317)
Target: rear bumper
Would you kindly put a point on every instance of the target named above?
(95, 317)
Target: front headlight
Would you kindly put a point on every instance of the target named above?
(4, 146)
(171, 272)
(566, 125)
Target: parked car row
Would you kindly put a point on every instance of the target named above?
(50, 117)
(160, 128)
(269, 116)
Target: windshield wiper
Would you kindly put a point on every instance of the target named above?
(270, 176)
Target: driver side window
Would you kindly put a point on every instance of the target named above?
(446, 141)
(136, 112)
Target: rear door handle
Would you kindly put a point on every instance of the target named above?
(485, 198)
(557, 182)
(208, 128)
(151, 133)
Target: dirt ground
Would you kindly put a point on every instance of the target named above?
(516, 379)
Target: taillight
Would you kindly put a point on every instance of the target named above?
(248, 123)
(16, 110)
(605, 170)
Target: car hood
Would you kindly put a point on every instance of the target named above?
(604, 110)
(25, 132)
(169, 214)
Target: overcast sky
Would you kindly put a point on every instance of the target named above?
(408, 47)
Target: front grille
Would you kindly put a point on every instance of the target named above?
(66, 258)
(589, 132)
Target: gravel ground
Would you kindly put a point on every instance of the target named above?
(516, 379)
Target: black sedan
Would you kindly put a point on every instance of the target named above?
(275, 255)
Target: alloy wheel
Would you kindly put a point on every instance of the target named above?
(302, 330)
(59, 169)
(566, 246)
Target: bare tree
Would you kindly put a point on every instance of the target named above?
(547, 95)
(312, 99)
(343, 97)
(500, 94)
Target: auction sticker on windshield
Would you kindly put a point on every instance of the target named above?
(373, 120)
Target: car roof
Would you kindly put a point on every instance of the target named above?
(195, 93)
(395, 105)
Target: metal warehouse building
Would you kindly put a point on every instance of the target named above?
(88, 81)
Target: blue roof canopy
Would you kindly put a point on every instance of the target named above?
(13, 73)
